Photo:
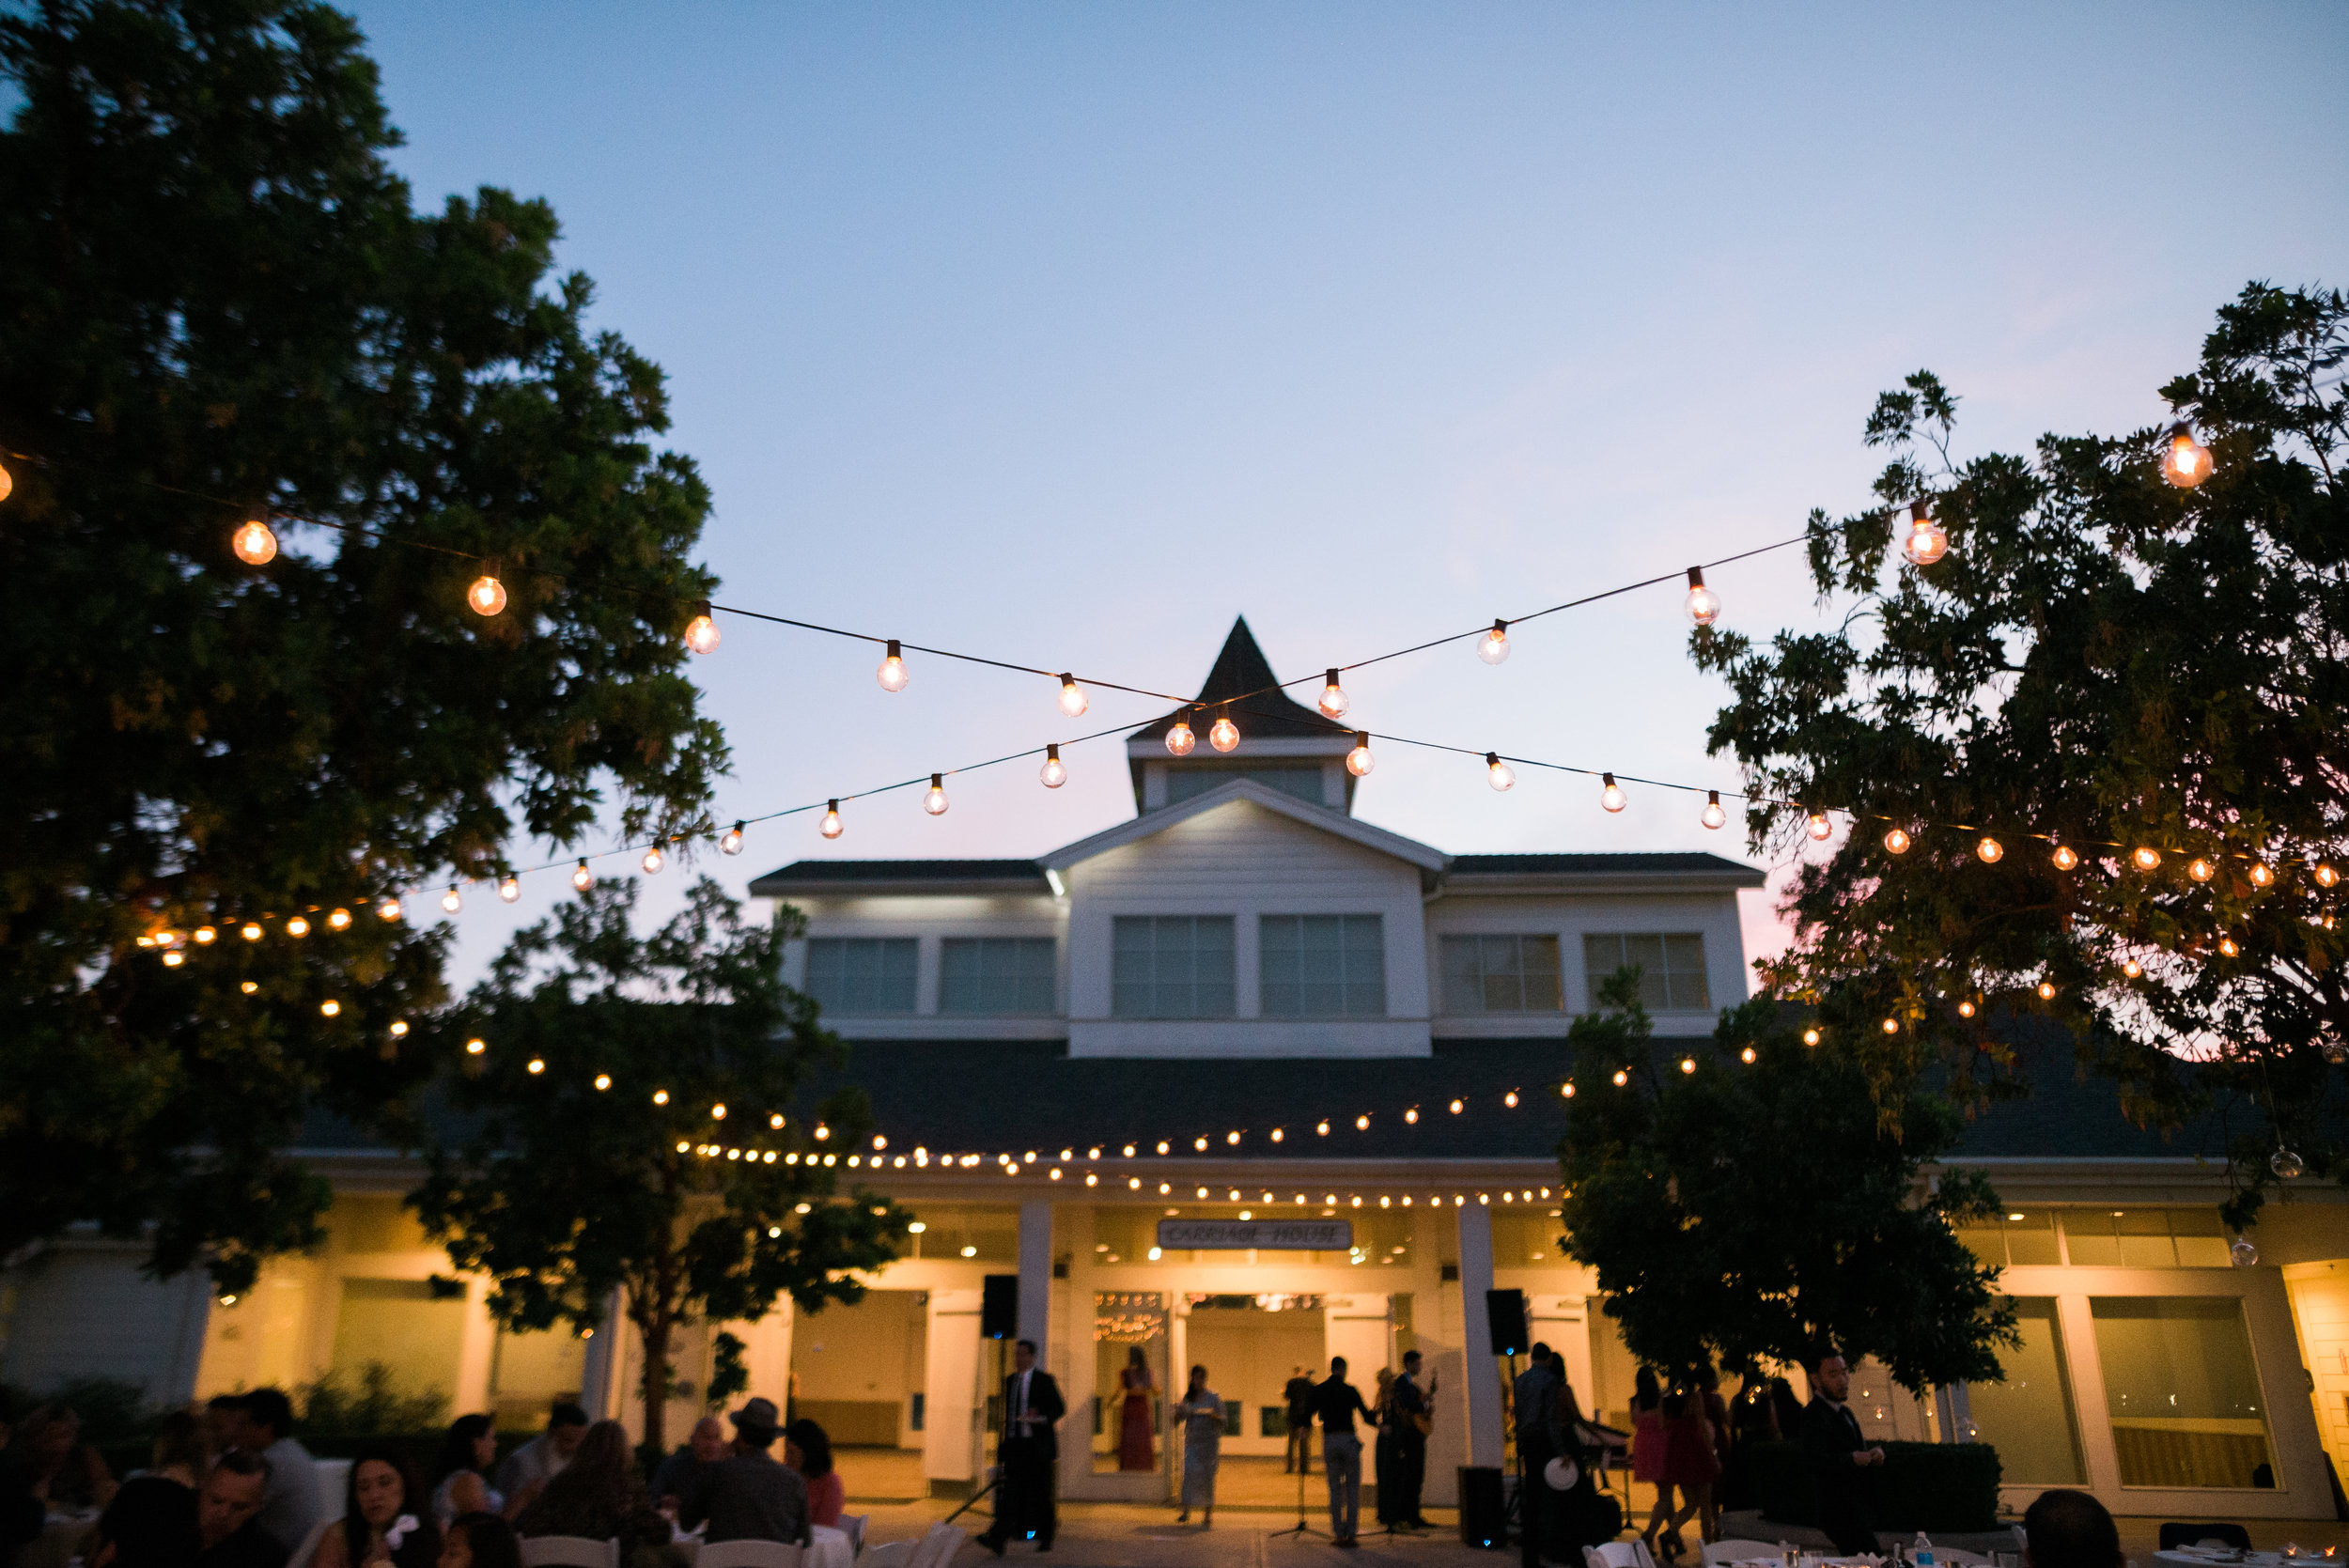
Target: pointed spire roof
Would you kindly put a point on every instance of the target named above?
(1240, 670)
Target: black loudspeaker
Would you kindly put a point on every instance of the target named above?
(1484, 1515)
(1505, 1318)
(998, 1307)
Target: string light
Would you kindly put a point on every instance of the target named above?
(1892, 1026)
(1990, 850)
(1896, 842)
(892, 674)
(1809, 1036)
(1493, 648)
(652, 863)
(249, 986)
(251, 932)
(338, 921)
(2145, 858)
(1611, 797)
(1333, 702)
(732, 843)
(1966, 1009)
(2131, 967)
(1818, 827)
(1705, 605)
(475, 1048)
(1054, 772)
(2326, 875)
(1510, 1099)
(2187, 461)
(7, 482)
(2227, 946)
(661, 1097)
(1927, 543)
(1179, 740)
(2047, 990)
(173, 960)
(255, 545)
(1358, 761)
(486, 596)
(1747, 1056)
(1688, 1065)
(1497, 773)
(509, 890)
(701, 632)
(399, 1029)
(1073, 701)
(452, 900)
(297, 927)
(537, 1065)
(830, 827)
(934, 801)
(1714, 815)
(388, 910)
(2201, 869)
(1621, 1077)
(2260, 874)
(581, 875)
(205, 934)
(2064, 858)
(1223, 735)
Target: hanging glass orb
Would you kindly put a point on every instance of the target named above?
(2285, 1163)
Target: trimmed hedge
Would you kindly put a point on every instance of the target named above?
(1927, 1486)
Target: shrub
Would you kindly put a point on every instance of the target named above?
(375, 1407)
(1927, 1486)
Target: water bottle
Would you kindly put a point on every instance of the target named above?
(1924, 1551)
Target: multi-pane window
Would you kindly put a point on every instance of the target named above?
(1671, 966)
(989, 976)
(1322, 967)
(1170, 966)
(1500, 975)
(858, 976)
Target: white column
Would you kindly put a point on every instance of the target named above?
(601, 1364)
(1482, 1372)
(1035, 1276)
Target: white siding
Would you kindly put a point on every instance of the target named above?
(83, 1310)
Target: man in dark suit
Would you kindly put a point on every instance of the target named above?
(1029, 1450)
(1407, 1408)
(1843, 1461)
(1300, 1393)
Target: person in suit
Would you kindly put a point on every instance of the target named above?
(1843, 1462)
(1300, 1393)
(1406, 1417)
(1027, 1453)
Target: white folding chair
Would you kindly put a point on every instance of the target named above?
(937, 1548)
(1717, 1552)
(894, 1554)
(854, 1525)
(747, 1554)
(569, 1551)
(1617, 1553)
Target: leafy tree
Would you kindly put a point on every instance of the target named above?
(632, 1125)
(1759, 1209)
(2102, 663)
(217, 303)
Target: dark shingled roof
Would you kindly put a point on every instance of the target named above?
(1242, 667)
(1015, 876)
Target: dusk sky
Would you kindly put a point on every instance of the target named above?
(1064, 333)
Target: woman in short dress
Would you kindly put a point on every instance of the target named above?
(1647, 1448)
(1690, 1463)
(1135, 1452)
(1201, 1415)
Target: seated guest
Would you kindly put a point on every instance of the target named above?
(750, 1497)
(2070, 1529)
(457, 1484)
(682, 1474)
(599, 1496)
(179, 1452)
(150, 1523)
(22, 1514)
(541, 1459)
(807, 1449)
(228, 1515)
(385, 1517)
(262, 1423)
(479, 1540)
(63, 1471)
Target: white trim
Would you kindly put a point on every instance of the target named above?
(1429, 860)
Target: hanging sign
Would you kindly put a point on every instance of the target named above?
(1300, 1236)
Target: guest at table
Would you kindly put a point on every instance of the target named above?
(177, 1453)
(1135, 1450)
(750, 1497)
(65, 1474)
(1201, 1413)
(386, 1516)
(21, 1513)
(479, 1540)
(2063, 1528)
(228, 1515)
(597, 1496)
(459, 1473)
(1843, 1462)
(261, 1423)
(529, 1467)
(684, 1473)
(807, 1449)
(148, 1523)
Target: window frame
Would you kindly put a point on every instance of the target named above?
(1484, 977)
(1661, 976)
(1305, 983)
(886, 947)
(1020, 980)
(1156, 984)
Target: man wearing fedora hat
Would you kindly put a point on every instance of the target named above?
(751, 1497)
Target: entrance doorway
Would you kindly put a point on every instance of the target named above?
(858, 1372)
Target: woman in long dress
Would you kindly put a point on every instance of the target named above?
(1201, 1415)
(1135, 1450)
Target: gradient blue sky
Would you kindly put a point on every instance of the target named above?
(1067, 332)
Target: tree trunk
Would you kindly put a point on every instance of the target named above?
(655, 1329)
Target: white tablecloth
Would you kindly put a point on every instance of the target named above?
(827, 1547)
(2247, 1560)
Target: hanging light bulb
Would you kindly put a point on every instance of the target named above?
(1054, 772)
(1497, 773)
(297, 927)
(2260, 874)
(830, 827)
(2243, 1254)
(1990, 850)
(2201, 869)
(652, 863)
(701, 632)
(1705, 605)
(7, 482)
(2326, 875)
(388, 909)
(452, 901)
(1610, 795)
(2047, 990)
(2285, 1163)
(255, 545)
(2227, 947)
(1358, 761)
(338, 921)
(1332, 704)
(1897, 842)
(1223, 735)
(2131, 967)
(1494, 646)
(1966, 1009)
(2145, 858)
(2064, 858)
(1179, 740)
(1818, 827)
(581, 875)
(892, 674)
(1714, 815)
(2187, 461)
(730, 842)
(934, 801)
(486, 596)
(1072, 696)
(511, 888)
(1927, 543)
(1809, 1036)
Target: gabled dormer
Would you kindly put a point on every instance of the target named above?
(1283, 744)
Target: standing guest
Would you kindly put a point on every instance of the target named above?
(1717, 1423)
(1337, 1403)
(1647, 1450)
(1532, 1398)
(1571, 1514)
(179, 1452)
(597, 1496)
(1382, 1446)
(1843, 1461)
(457, 1474)
(529, 1467)
(479, 1540)
(1753, 1415)
(1027, 1451)
(750, 1497)
(1690, 1463)
(1298, 1456)
(684, 1472)
(1135, 1450)
(1201, 1413)
(807, 1449)
(228, 1515)
(1409, 1417)
(1786, 1408)
(263, 1423)
(63, 1471)
(148, 1523)
(386, 1519)
(2064, 1529)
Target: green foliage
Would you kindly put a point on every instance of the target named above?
(1745, 1212)
(1943, 1487)
(2104, 661)
(562, 1193)
(216, 299)
(729, 1375)
(378, 1405)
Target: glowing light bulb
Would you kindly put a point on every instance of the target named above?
(2064, 858)
(1927, 543)
(1990, 850)
(1054, 772)
(1333, 702)
(2326, 875)
(661, 1097)
(1179, 739)
(1072, 696)
(934, 801)
(338, 921)
(329, 1008)
(255, 545)
(1892, 1026)
(1809, 1036)
(7, 482)
(1358, 761)
(2227, 946)
(2285, 1164)
(892, 674)
(2260, 874)
(2145, 858)
(251, 932)
(653, 861)
(2243, 1254)
(1223, 735)
(2131, 967)
(1621, 1077)
(1818, 827)
(399, 1029)
(388, 910)
(581, 875)
(1747, 1056)
(1497, 773)
(173, 960)
(1611, 797)
(486, 596)
(1412, 1115)
(249, 986)
(1493, 647)
(2201, 869)
(1897, 842)
(1705, 605)
(297, 927)
(1567, 1091)
(730, 842)
(717, 1111)
(830, 827)
(1714, 814)
(2185, 463)
(1966, 1009)
(205, 934)
(701, 632)
(475, 1048)
(452, 900)
(2047, 990)
(1688, 1063)
(537, 1065)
